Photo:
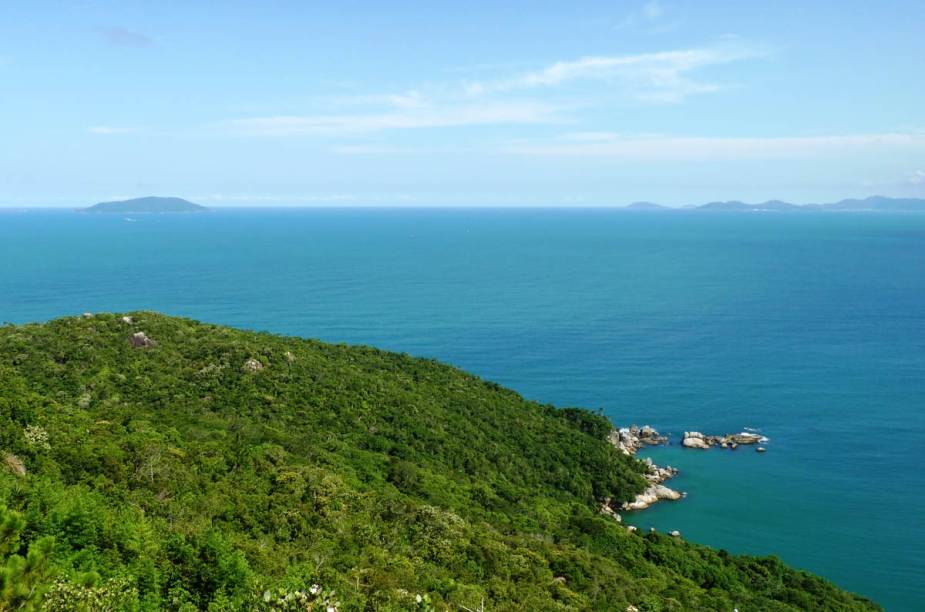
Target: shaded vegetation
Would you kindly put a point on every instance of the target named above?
(185, 476)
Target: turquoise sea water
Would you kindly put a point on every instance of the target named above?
(809, 327)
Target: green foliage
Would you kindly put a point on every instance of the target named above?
(22, 579)
(184, 476)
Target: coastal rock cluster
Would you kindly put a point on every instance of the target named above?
(652, 494)
(695, 439)
(657, 474)
(629, 440)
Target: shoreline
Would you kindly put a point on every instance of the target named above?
(630, 440)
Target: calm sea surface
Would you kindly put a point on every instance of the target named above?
(809, 327)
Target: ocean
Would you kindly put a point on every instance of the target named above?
(809, 327)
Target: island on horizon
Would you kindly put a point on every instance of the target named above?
(869, 204)
(149, 204)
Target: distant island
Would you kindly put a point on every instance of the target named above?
(871, 204)
(646, 206)
(151, 204)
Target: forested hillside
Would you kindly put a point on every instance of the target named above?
(150, 462)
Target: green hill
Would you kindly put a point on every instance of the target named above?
(201, 467)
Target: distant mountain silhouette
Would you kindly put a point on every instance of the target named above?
(872, 204)
(149, 204)
(730, 205)
(879, 203)
(646, 206)
(737, 205)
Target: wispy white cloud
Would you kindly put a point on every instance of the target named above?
(411, 99)
(917, 177)
(663, 76)
(512, 99)
(682, 148)
(369, 149)
(109, 130)
(408, 117)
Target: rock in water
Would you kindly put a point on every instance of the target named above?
(744, 438)
(694, 439)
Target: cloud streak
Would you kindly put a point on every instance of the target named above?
(546, 95)
(403, 117)
(662, 76)
(110, 130)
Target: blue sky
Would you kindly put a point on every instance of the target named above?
(460, 103)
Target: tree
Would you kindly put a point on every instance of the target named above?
(23, 580)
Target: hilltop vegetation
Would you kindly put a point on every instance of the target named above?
(210, 468)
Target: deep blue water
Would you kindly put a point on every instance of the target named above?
(808, 326)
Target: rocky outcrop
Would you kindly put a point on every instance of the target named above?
(695, 439)
(656, 474)
(141, 340)
(607, 509)
(631, 439)
(651, 495)
(128, 320)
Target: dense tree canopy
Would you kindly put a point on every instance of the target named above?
(212, 468)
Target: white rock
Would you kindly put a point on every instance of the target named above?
(141, 340)
(694, 442)
(252, 365)
(651, 495)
